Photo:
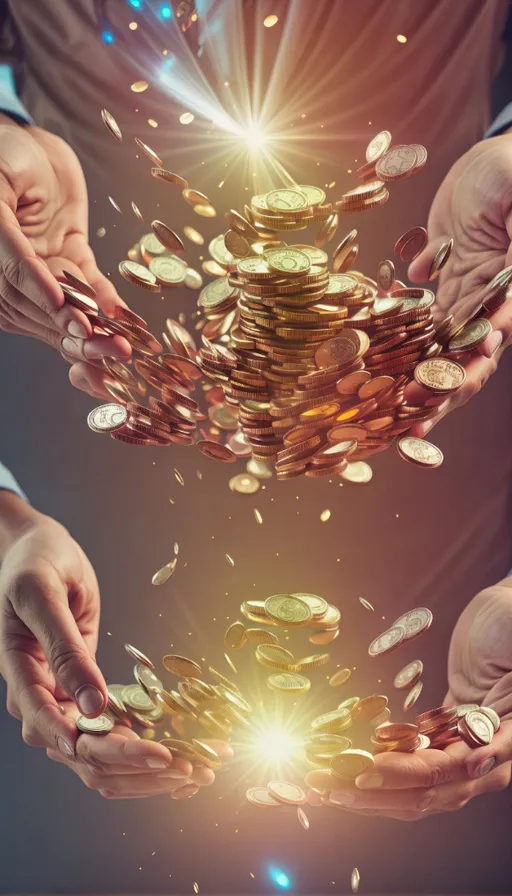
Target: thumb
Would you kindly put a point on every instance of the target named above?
(43, 606)
(418, 271)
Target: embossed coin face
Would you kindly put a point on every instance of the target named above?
(287, 793)
(471, 336)
(351, 763)
(340, 284)
(286, 682)
(318, 605)
(386, 275)
(413, 696)
(101, 725)
(388, 641)
(107, 418)
(378, 146)
(216, 293)
(136, 698)
(420, 452)
(244, 484)
(492, 715)
(288, 261)
(480, 725)
(288, 610)
(343, 349)
(397, 163)
(259, 796)
(314, 195)
(168, 271)
(286, 200)
(409, 675)
(357, 472)
(415, 622)
(138, 274)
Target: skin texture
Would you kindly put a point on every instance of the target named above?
(49, 620)
(473, 206)
(409, 787)
(43, 231)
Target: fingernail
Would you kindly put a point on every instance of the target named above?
(92, 351)
(76, 329)
(68, 346)
(90, 700)
(64, 747)
(156, 763)
(171, 773)
(484, 768)
(493, 343)
(369, 782)
(342, 799)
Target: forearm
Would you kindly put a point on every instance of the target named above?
(16, 517)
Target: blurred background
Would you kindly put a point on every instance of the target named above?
(409, 538)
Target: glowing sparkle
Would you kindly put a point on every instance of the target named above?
(139, 86)
(270, 21)
(257, 516)
(187, 118)
(275, 744)
(152, 123)
(401, 38)
(325, 515)
(280, 878)
(133, 26)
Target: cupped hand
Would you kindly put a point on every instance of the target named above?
(43, 232)
(473, 206)
(411, 786)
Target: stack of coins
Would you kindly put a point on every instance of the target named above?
(398, 737)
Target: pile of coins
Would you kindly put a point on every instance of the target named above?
(310, 366)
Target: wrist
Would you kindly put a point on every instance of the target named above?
(16, 517)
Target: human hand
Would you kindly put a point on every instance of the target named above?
(120, 765)
(410, 786)
(43, 232)
(473, 206)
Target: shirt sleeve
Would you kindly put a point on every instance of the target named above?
(8, 483)
(10, 104)
(501, 123)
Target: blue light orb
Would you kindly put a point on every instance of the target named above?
(135, 3)
(280, 878)
(107, 37)
(165, 11)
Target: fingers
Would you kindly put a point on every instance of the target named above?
(116, 751)
(40, 599)
(426, 768)
(418, 270)
(78, 257)
(95, 348)
(88, 379)
(31, 701)
(482, 760)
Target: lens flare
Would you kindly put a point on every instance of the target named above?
(280, 878)
(275, 744)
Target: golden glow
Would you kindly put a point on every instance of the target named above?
(270, 21)
(401, 38)
(275, 744)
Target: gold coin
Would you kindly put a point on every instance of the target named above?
(378, 146)
(303, 818)
(193, 197)
(286, 682)
(325, 637)
(230, 663)
(357, 472)
(284, 792)
(261, 636)
(222, 679)
(193, 235)
(139, 275)
(318, 605)
(259, 796)
(111, 124)
(288, 261)
(274, 657)
(244, 484)
(136, 698)
(286, 201)
(208, 755)
(339, 677)
(366, 604)
(312, 662)
(287, 610)
(440, 375)
(314, 196)
(337, 719)
(100, 725)
(471, 336)
(351, 763)
(168, 271)
(205, 211)
(235, 636)
(369, 707)
(181, 666)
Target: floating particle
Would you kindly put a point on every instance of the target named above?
(111, 124)
(101, 232)
(165, 573)
(401, 38)
(179, 477)
(366, 604)
(258, 517)
(114, 204)
(176, 548)
(152, 123)
(137, 212)
(270, 21)
(199, 474)
(325, 515)
(187, 118)
(133, 26)
(196, 888)
(230, 559)
(354, 880)
(139, 86)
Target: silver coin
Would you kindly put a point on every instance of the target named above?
(409, 675)
(101, 725)
(107, 418)
(415, 622)
(147, 680)
(136, 698)
(387, 641)
(138, 656)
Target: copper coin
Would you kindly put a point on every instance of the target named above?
(81, 285)
(420, 452)
(471, 336)
(348, 347)
(440, 259)
(216, 451)
(440, 374)
(411, 243)
(386, 275)
(167, 237)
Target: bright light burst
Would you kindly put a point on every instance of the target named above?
(275, 744)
